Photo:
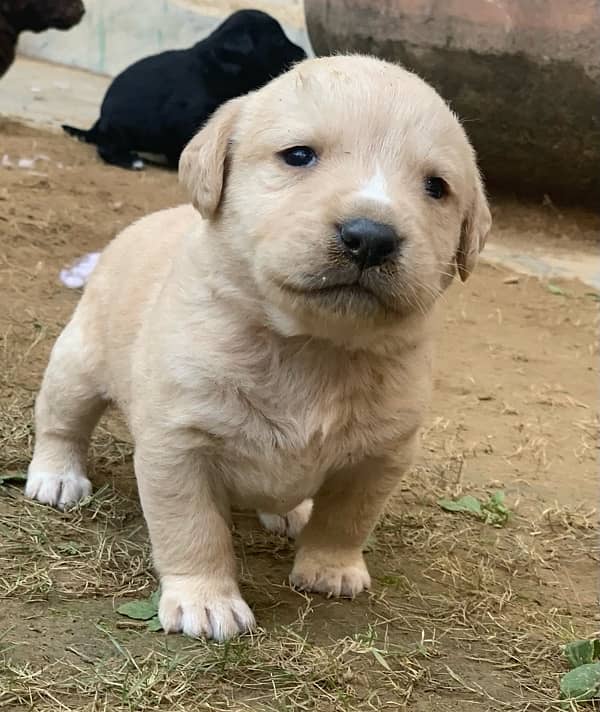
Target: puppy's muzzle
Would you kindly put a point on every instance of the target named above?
(368, 243)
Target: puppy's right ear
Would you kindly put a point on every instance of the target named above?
(202, 163)
(476, 226)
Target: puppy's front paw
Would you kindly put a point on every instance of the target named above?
(203, 608)
(57, 490)
(291, 524)
(332, 573)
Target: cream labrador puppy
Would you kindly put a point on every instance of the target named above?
(271, 346)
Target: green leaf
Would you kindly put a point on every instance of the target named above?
(371, 543)
(155, 598)
(154, 625)
(495, 511)
(582, 683)
(69, 548)
(555, 289)
(12, 477)
(138, 610)
(390, 580)
(582, 652)
(468, 504)
(146, 610)
(497, 499)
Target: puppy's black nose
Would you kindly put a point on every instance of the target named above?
(368, 243)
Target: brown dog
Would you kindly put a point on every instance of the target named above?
(17, 16)
(277, 350)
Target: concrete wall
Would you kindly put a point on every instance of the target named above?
(114, 33)
(524, 75)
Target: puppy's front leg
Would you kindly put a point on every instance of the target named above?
(329, 559)
(188, 520)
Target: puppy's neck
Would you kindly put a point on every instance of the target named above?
(405, 333)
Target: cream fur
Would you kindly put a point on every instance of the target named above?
(249, 375)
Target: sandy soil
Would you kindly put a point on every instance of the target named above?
(462, 615)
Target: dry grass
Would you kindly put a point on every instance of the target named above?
(98, 549)
(452, 597)
(284, 669)
(461, 614)
(16, 433)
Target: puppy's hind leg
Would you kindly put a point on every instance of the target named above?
(290, 524)
(119, 156)
(66, 411)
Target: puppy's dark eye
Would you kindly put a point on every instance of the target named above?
(436, 187)
(299, 156)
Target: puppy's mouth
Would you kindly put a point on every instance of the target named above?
(348, 288)
(337, 288)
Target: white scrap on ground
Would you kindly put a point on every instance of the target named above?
(22, 162)
(78, 274)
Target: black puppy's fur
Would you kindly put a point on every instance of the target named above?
(157, 104)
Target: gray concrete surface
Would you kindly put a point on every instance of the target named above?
(574, 264)
(115, 33)
(50, 94)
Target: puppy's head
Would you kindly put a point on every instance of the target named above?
(40, 15)
(348, 190)
(249, 49)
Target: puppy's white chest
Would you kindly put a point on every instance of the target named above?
(294, 448)
(277, 479)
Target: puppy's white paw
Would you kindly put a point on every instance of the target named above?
(289, 525)
(57, 490)
(203, 608)
(331, 574)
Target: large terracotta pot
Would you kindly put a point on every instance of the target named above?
(524, 75)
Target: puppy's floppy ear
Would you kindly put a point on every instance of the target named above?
(475, 228)
(202, 163)
(235, 47)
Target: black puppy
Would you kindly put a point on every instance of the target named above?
(157, 104)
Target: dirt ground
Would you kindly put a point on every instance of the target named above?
(462, 615)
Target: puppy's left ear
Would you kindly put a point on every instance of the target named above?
(475, 228)
(202, 163)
